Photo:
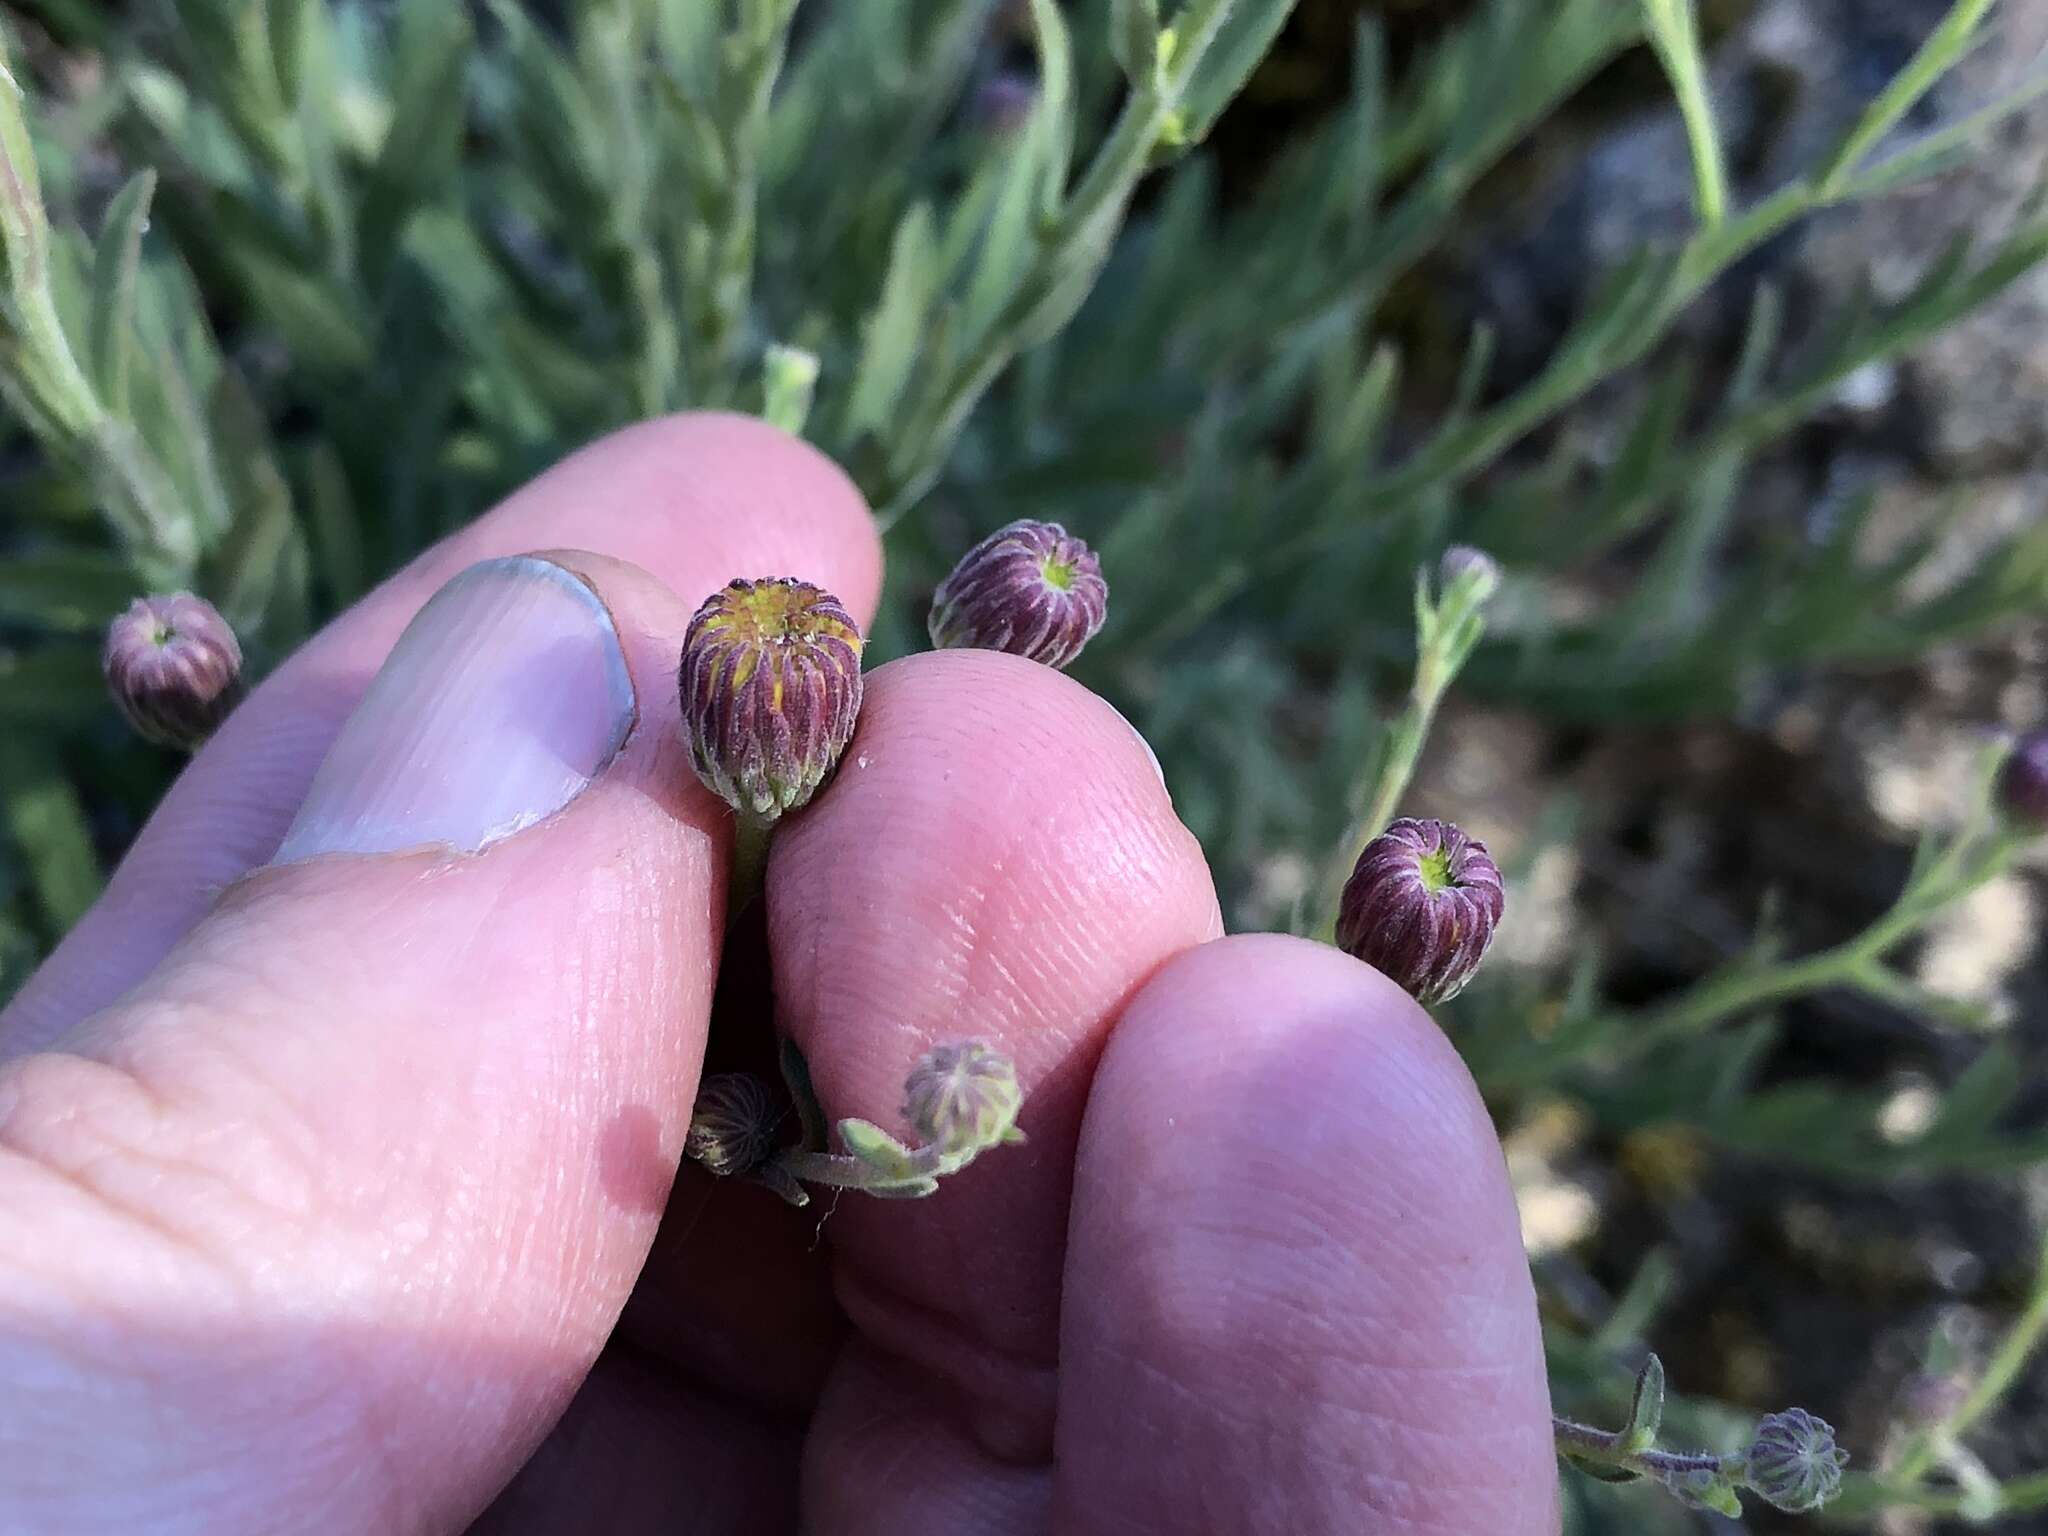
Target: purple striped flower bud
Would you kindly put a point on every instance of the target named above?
(733, 1124)
(1031, 589)
(770, 682)
(174, 668)
(1794, 1463)
(1422, 906)
(2023, 782)
(962, 1097)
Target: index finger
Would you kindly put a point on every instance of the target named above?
(694, 499)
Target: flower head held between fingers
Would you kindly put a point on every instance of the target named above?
(771, 685)
(733, 1124)
(1421, 906)
(1030, 588)
(174, 668)
(962, 1095)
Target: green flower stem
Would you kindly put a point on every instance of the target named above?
(2011, 1497)
(1927, 1447)
(750, 839)
(1607, 1448)
(836, 1170)
(1445, 634)
(1857, 962)
(878, 1164)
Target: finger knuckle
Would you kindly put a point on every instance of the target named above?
(174, 1139)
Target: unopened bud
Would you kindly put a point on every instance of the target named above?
(733, 1124)
(174, 668)
(1003, 103)
(2023, 782)
(962, 1097)
(1030, 588)
(1421, 906)
(1463, 565)
(770, 683)
(1794, 1463)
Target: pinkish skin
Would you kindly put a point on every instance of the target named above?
(174, 667)
(1421, 906)
(771, 686)
(1030, 588)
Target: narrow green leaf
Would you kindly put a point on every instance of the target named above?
(55, 687)
(1944, 46)
(1646, 1407)
(878, 1149)
(896, 328)
(1134, 39)
(422, 146)
(1052, 122)
(49, 830)
(110, 318)
(334, 524)
(70, 593)
(255, 563)
(1246, 38)
(312, 315)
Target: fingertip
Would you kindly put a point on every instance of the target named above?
(698, 493)
(1290, 1204)
(985, 804)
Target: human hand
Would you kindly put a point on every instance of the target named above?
(333, 1179)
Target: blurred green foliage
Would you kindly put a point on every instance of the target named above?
(295, 287)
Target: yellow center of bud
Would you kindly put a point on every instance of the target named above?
(1436, 871)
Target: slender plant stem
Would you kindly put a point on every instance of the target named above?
(749, 864)
(1997, 1377)
(1854, 962)
(1404, 749)
(1447, 628)
(1674, 33)
(2015, 1496)
(1609, 1450)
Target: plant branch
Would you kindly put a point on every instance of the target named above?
(1674, 34)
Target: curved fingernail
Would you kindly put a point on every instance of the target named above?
(502, 700)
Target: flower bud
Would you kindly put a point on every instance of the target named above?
(1421, 906)
(174, 668)
(732, 1127)
(1794, 1462)
(2023, 781)
(962, 1097)
(1003, 104)
(770, 683)
(1030, 588)
(1462, 565)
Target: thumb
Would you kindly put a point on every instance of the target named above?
(321, 1225)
